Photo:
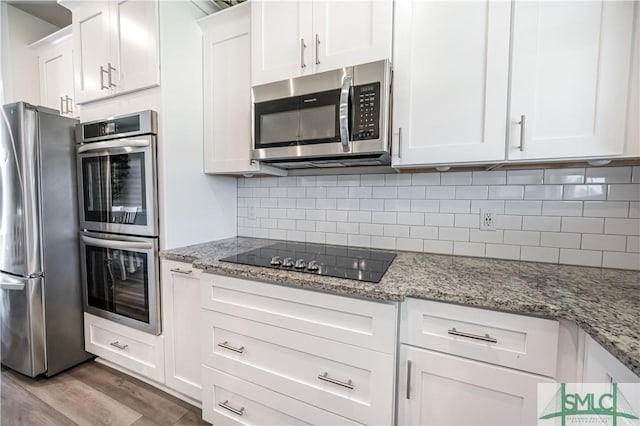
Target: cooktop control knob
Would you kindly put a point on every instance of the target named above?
(300, 264)
(313, 266)
(276, 261)
(287, 262)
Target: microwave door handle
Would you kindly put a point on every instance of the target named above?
(116, 244)
(95, 146)
(347, 82)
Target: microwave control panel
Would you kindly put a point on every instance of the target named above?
(366, 112)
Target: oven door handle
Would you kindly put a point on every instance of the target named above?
(347, 82)
(116, 244)
(95, 146)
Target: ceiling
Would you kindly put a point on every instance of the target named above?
(47, 10)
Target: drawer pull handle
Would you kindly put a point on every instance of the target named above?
(181, 271)
(226, 406)
(348, 384)
(226, 345)
(118, 345)
(485, 338)
(408, 379)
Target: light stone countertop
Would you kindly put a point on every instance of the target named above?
(603, 302)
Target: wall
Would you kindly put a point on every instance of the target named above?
(20, 73)
(572, 216)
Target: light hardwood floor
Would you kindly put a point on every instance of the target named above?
(90, 394)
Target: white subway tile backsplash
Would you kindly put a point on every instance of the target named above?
(462, 248)
(412, 192)
(578, 216)
(501, 251)
(540, 254)
(524, 208)
(506, 192)
(455, 178)
(560, 240)
(453, 234)
(522, 177)
(585, 192)
(438, 246)
(604, 242)
(608, 175)
(562, 208)
(622, 226)
(606, 208)
(629, 192)
(426, 179)
(543, 192)
(425, 206)
(621, 260)
(410, 218)
(581, 257)
(564, 176)
(582, 225)
(480, 192)
(455, 206)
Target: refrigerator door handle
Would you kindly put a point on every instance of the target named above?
(7, 282)
(116, 244)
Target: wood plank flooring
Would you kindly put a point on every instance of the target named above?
(90, 394)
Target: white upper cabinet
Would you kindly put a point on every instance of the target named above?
(300, 37)
(451, 64)
(570, 77)
(55, 58)
(116, 47)
(227, 93)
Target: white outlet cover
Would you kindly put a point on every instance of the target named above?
(488, 219)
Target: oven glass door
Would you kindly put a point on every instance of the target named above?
(117, 179)
(298, 120)
(120, 279)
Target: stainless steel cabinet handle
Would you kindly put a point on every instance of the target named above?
(181, 271)
(317, 49)
(102, 73)
(408, 379)
(62, 111)
(111, 83)
(226, 406)
(400, 142)
(347, 82)
(325, 376)
(226, 345)
(522, 131)
(485, 338)
(302, 47)
(118, 345)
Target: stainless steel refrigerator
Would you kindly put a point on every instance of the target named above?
(41, 320)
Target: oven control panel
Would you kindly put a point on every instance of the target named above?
(366, 112)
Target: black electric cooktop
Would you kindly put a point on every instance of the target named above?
(332, 261)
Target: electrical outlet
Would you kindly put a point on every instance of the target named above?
(488, 219)
(251, 212)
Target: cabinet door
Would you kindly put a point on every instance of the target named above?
(91, 50)
(451, 62)
(435, 389)
(351, 32)
(180, 318)
(56, 74)
(281, 40)
(135, 48)
(601, 367)
(570, 75)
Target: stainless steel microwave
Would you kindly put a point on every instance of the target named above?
(330, 119)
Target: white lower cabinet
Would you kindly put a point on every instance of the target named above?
(129, 348)
(599, 366)
(180, 302)
(437, 389)
(251, 348)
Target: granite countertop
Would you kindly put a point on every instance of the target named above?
(603, 302)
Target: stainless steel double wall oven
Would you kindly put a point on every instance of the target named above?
(117, 175)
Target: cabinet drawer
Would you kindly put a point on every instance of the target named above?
(129, 348)
(347, 380)
(230, 400)
(357, 322)
(517, 341)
